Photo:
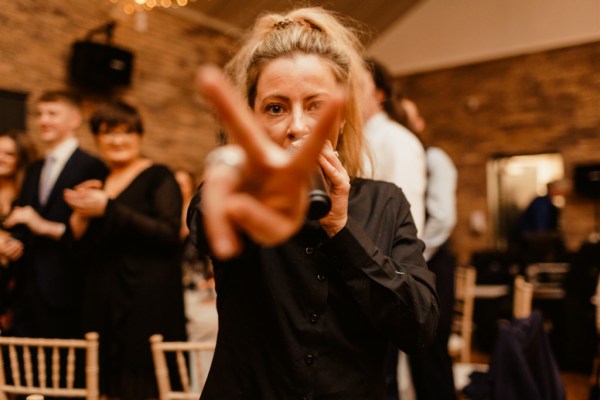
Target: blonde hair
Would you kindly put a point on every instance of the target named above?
(311, 31)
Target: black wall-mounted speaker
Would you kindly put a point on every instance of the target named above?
(100, 66)
(587, 180)
(13, 110)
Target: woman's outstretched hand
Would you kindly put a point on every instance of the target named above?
(253, 186)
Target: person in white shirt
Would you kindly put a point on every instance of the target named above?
(394, 154)
(432, 371)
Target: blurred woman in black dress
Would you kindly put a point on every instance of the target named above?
(16, 153)
(128, 230)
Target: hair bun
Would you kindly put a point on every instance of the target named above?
(284, 23)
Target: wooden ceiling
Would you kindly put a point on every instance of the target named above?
(235, 16)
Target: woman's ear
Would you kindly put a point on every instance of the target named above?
(380, 96)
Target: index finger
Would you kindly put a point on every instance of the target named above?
(305, 157)
(234, 113)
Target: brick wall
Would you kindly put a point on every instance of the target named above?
(528, 104)
(547, 101)
(35, 45)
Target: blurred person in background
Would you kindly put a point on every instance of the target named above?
(47, 294)
(17, 152)
(127, 232)
(393, 154)
(432, 371)
(199, 284)
(396, 154)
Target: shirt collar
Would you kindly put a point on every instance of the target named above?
(64, 150)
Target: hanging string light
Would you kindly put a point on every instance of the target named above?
(132, 6)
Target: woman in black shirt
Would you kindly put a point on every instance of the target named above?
(306, 308)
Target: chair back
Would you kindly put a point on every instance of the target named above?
(49, 367)
(547, 279)
(459, 344)
(188, 369)
(522, 298)
(595, 300)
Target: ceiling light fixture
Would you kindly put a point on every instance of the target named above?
(132, 6)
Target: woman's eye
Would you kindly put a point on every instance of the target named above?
(274, 108)
(316, 106)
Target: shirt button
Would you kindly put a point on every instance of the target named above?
(309, 359)
(313, 318)
(309, 250)
(320, 277)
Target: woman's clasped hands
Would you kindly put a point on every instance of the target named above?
(87, 199)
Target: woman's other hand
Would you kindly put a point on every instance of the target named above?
(339, 189)
(11, 249)
(35, 222)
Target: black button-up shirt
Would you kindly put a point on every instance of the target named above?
(312, 318)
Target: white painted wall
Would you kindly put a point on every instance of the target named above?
(444, 33)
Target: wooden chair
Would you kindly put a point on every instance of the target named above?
(48, 367)
(191, 379)
(522, 298)
(459, 344)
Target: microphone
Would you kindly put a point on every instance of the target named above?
(318, 196)
(319, 202)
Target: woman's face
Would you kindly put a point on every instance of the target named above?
(290, 95)
(8, 157)
(119, 146)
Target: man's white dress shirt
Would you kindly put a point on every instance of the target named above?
(398, 157)
(440, 201)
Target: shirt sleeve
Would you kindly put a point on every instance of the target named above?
(396, 291)
(440, 201)
(161, 228)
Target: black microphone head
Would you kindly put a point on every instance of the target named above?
(318, 195)
(319, 204)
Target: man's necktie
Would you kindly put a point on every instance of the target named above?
(46, 183)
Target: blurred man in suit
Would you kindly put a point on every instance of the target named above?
(46, 294)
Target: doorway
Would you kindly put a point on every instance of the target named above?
(513, 182)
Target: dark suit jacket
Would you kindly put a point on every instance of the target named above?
(47, 266)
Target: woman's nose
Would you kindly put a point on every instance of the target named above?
(118, 138)
(298, 126)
